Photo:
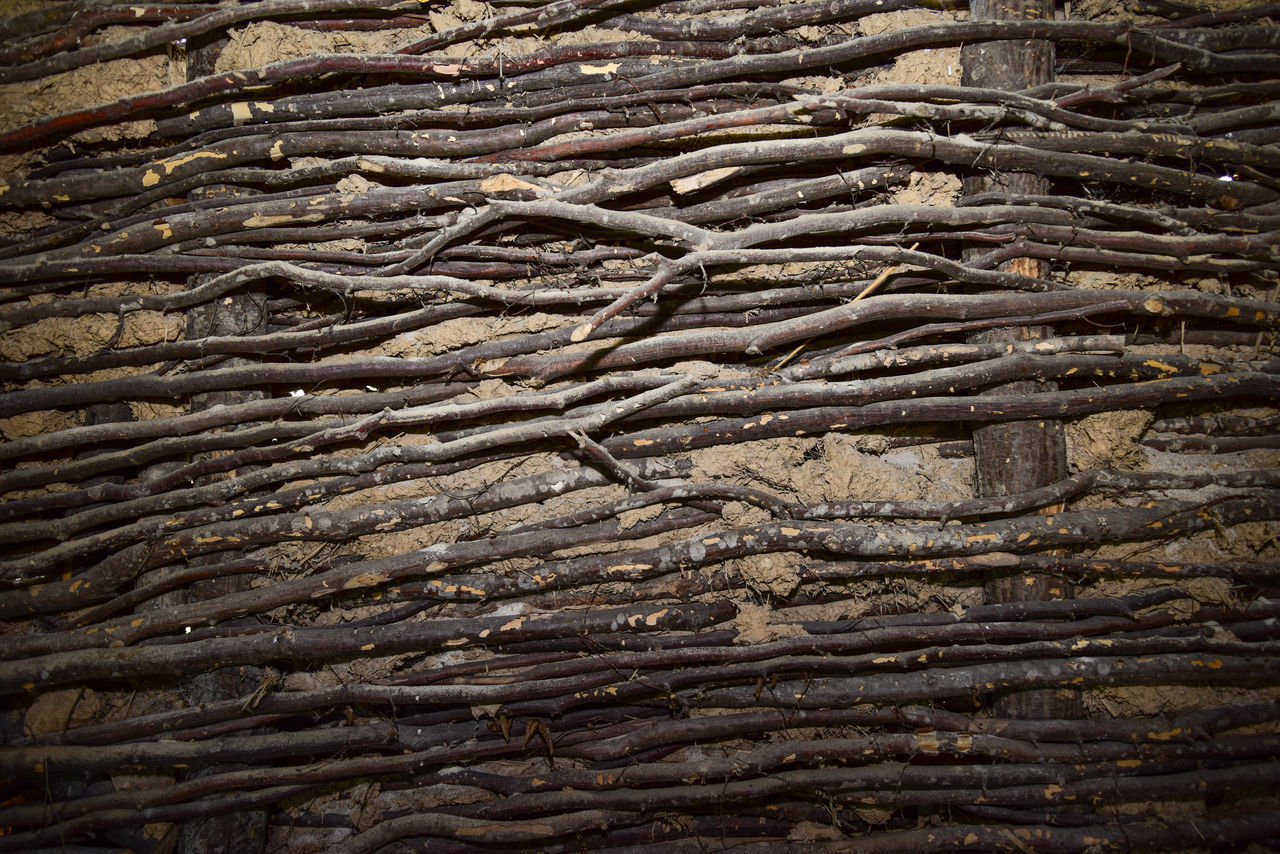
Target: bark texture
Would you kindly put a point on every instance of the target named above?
(1018, 456)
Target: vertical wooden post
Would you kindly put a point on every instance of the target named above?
(1020, 455)
(236, 314)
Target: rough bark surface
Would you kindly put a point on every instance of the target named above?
(1018, 456)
